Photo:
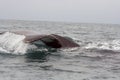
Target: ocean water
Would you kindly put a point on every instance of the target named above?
(97, 58)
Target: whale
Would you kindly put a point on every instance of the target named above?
(50, 40)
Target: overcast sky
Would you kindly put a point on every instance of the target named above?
(87, 11)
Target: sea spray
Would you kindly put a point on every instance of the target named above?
(13, 43)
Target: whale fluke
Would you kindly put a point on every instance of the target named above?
(52, 40)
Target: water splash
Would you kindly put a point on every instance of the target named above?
(113, 45)
(13, 43)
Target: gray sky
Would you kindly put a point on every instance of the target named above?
(88, 11)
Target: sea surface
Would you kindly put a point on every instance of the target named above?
(97, 58)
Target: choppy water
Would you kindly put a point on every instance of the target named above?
(97, 58)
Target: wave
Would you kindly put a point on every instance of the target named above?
(113, 45)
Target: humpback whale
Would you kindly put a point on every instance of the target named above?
(51, 40)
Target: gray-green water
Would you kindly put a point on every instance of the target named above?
(97, 58)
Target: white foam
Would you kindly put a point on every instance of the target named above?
(108, 45)
(13, 43)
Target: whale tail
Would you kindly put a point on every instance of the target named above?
(53, 40)
(56, 41)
